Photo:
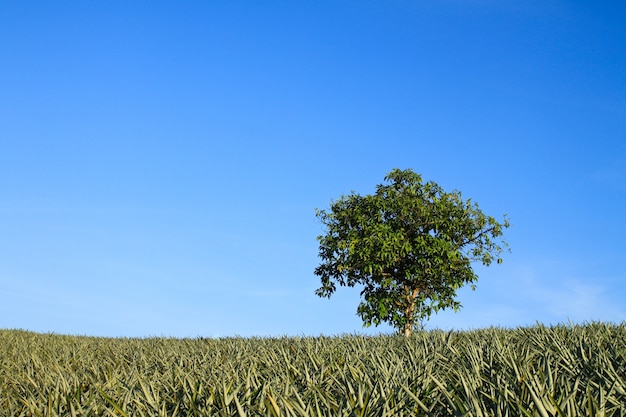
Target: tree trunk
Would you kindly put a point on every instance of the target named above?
(408, 329)
(409, 311)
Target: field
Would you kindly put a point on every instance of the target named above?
(573, 370)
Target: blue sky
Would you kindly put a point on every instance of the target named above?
(161, 162)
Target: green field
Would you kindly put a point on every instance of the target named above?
(535, 371)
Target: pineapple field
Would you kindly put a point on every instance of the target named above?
(563, 370)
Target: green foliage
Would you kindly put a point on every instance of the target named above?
(410, 245)
(538, 371)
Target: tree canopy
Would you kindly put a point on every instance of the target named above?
(410, 245)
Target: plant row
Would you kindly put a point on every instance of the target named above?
(574, 370)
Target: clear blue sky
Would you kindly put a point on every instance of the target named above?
(160, 162)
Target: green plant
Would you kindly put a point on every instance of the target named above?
(536, 371)
(410, 245)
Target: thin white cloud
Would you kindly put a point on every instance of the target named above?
(549, 298)
(580, 300)
(523, 295)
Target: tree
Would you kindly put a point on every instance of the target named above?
(410, 245)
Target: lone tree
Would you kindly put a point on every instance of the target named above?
(410, 245)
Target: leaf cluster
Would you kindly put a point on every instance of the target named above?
(410, 245)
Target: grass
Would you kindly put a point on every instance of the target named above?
(574, 370)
